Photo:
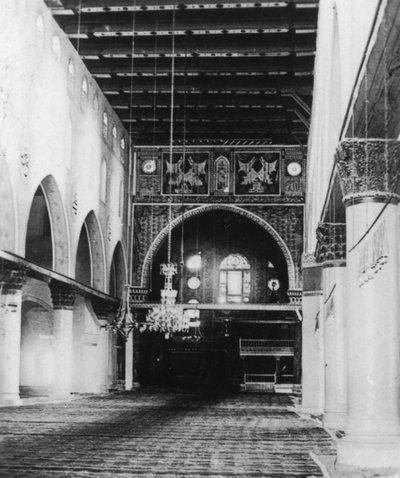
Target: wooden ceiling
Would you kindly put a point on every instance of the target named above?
(243, 71)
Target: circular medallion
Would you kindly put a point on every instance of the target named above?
(193, 283)
(273, 284)
(149, 166)
(294, 168)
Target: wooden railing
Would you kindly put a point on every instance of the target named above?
(259, 378)
(266, 347)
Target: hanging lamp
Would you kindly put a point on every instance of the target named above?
(124, 321)
(168, 317)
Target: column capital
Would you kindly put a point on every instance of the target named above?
(63, 295)
(331, 247)
(308, 259)
(104, 309)
(12, 277)
(369, 169)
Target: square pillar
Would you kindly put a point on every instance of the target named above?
(12, 280)
(63, 298)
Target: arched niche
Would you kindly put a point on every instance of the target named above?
(280, 243)
(7, 210)
(118, 276)
(90, 262)
(47, 232)
(39, 243)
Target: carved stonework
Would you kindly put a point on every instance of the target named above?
(308, 260)
(138, 294)
(149, 195)
(331, 242)
(24, 164)
(283, 223)
(12, 277)
(373, 254)
(369, 168)
(295, 296)
(63, 295)
(204, 178)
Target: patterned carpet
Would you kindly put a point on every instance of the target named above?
(161, 434)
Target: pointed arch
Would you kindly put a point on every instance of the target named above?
(59, 232)
(227, 207)
(92, 235)
(118, 271)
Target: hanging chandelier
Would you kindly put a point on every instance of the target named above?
(168, 317)
(124, 321)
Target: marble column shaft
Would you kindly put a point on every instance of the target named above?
(369, 171)
(332, 256)
(312, 339)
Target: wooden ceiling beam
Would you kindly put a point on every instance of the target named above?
(163, 100)
(203, 66)
(243, 70)
(222, 128)
(97, 6)
(146, 137)
(226, 49)
(256, 26)
(190, 84)
(214, 114)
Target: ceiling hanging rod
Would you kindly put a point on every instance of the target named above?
(168, 317)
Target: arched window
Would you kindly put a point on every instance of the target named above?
(114, 137)
(122, 144)
(84, 90)
(234, 279)
(103, 180)
(105, 126)
(222, 175)
(121, 199)
(71, 75)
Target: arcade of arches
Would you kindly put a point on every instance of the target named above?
(277, 198)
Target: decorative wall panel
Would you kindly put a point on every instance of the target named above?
(186, 173)
(151, 219)
(220, 175)
(257, 172)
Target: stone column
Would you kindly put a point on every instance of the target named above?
(129, 362)
(12, 279)
(63, 297)
(369, 171)
(312, 339)
(106, 312)
(296, 298)
(136, 358)
(332, 256)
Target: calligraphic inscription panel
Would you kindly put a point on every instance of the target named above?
(186, 174)
(257, 172)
